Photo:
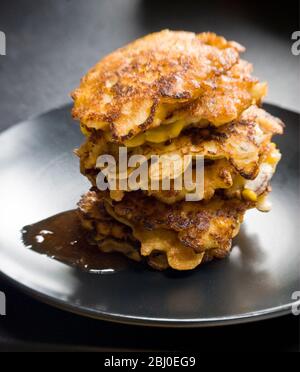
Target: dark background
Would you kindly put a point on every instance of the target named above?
(50, 45)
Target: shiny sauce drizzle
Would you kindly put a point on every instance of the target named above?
(62, 238)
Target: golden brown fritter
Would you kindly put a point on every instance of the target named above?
(109, 234)
(139, 86)
(218, 175)
(181, 236)
(225, 97)
(92, 208)
(242, 143)
(199, 225)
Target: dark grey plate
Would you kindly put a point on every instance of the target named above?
(40, 178)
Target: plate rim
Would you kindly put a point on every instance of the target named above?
(246, 318)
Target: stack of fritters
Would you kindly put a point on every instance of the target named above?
(176, 93)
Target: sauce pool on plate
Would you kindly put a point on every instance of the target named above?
(62, 238)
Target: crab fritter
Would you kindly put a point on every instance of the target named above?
(185, 234)
(109, 234)
(140, 86)
(199, 225)
(236, 152)
(241, 142)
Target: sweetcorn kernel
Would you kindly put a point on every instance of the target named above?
(249, 195)
(157, 135)
(263, 204)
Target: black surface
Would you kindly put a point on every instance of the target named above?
(52, 43)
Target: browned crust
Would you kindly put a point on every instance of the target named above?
(200, 225)
(127, 88)
(95, 218)
(206, 228)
